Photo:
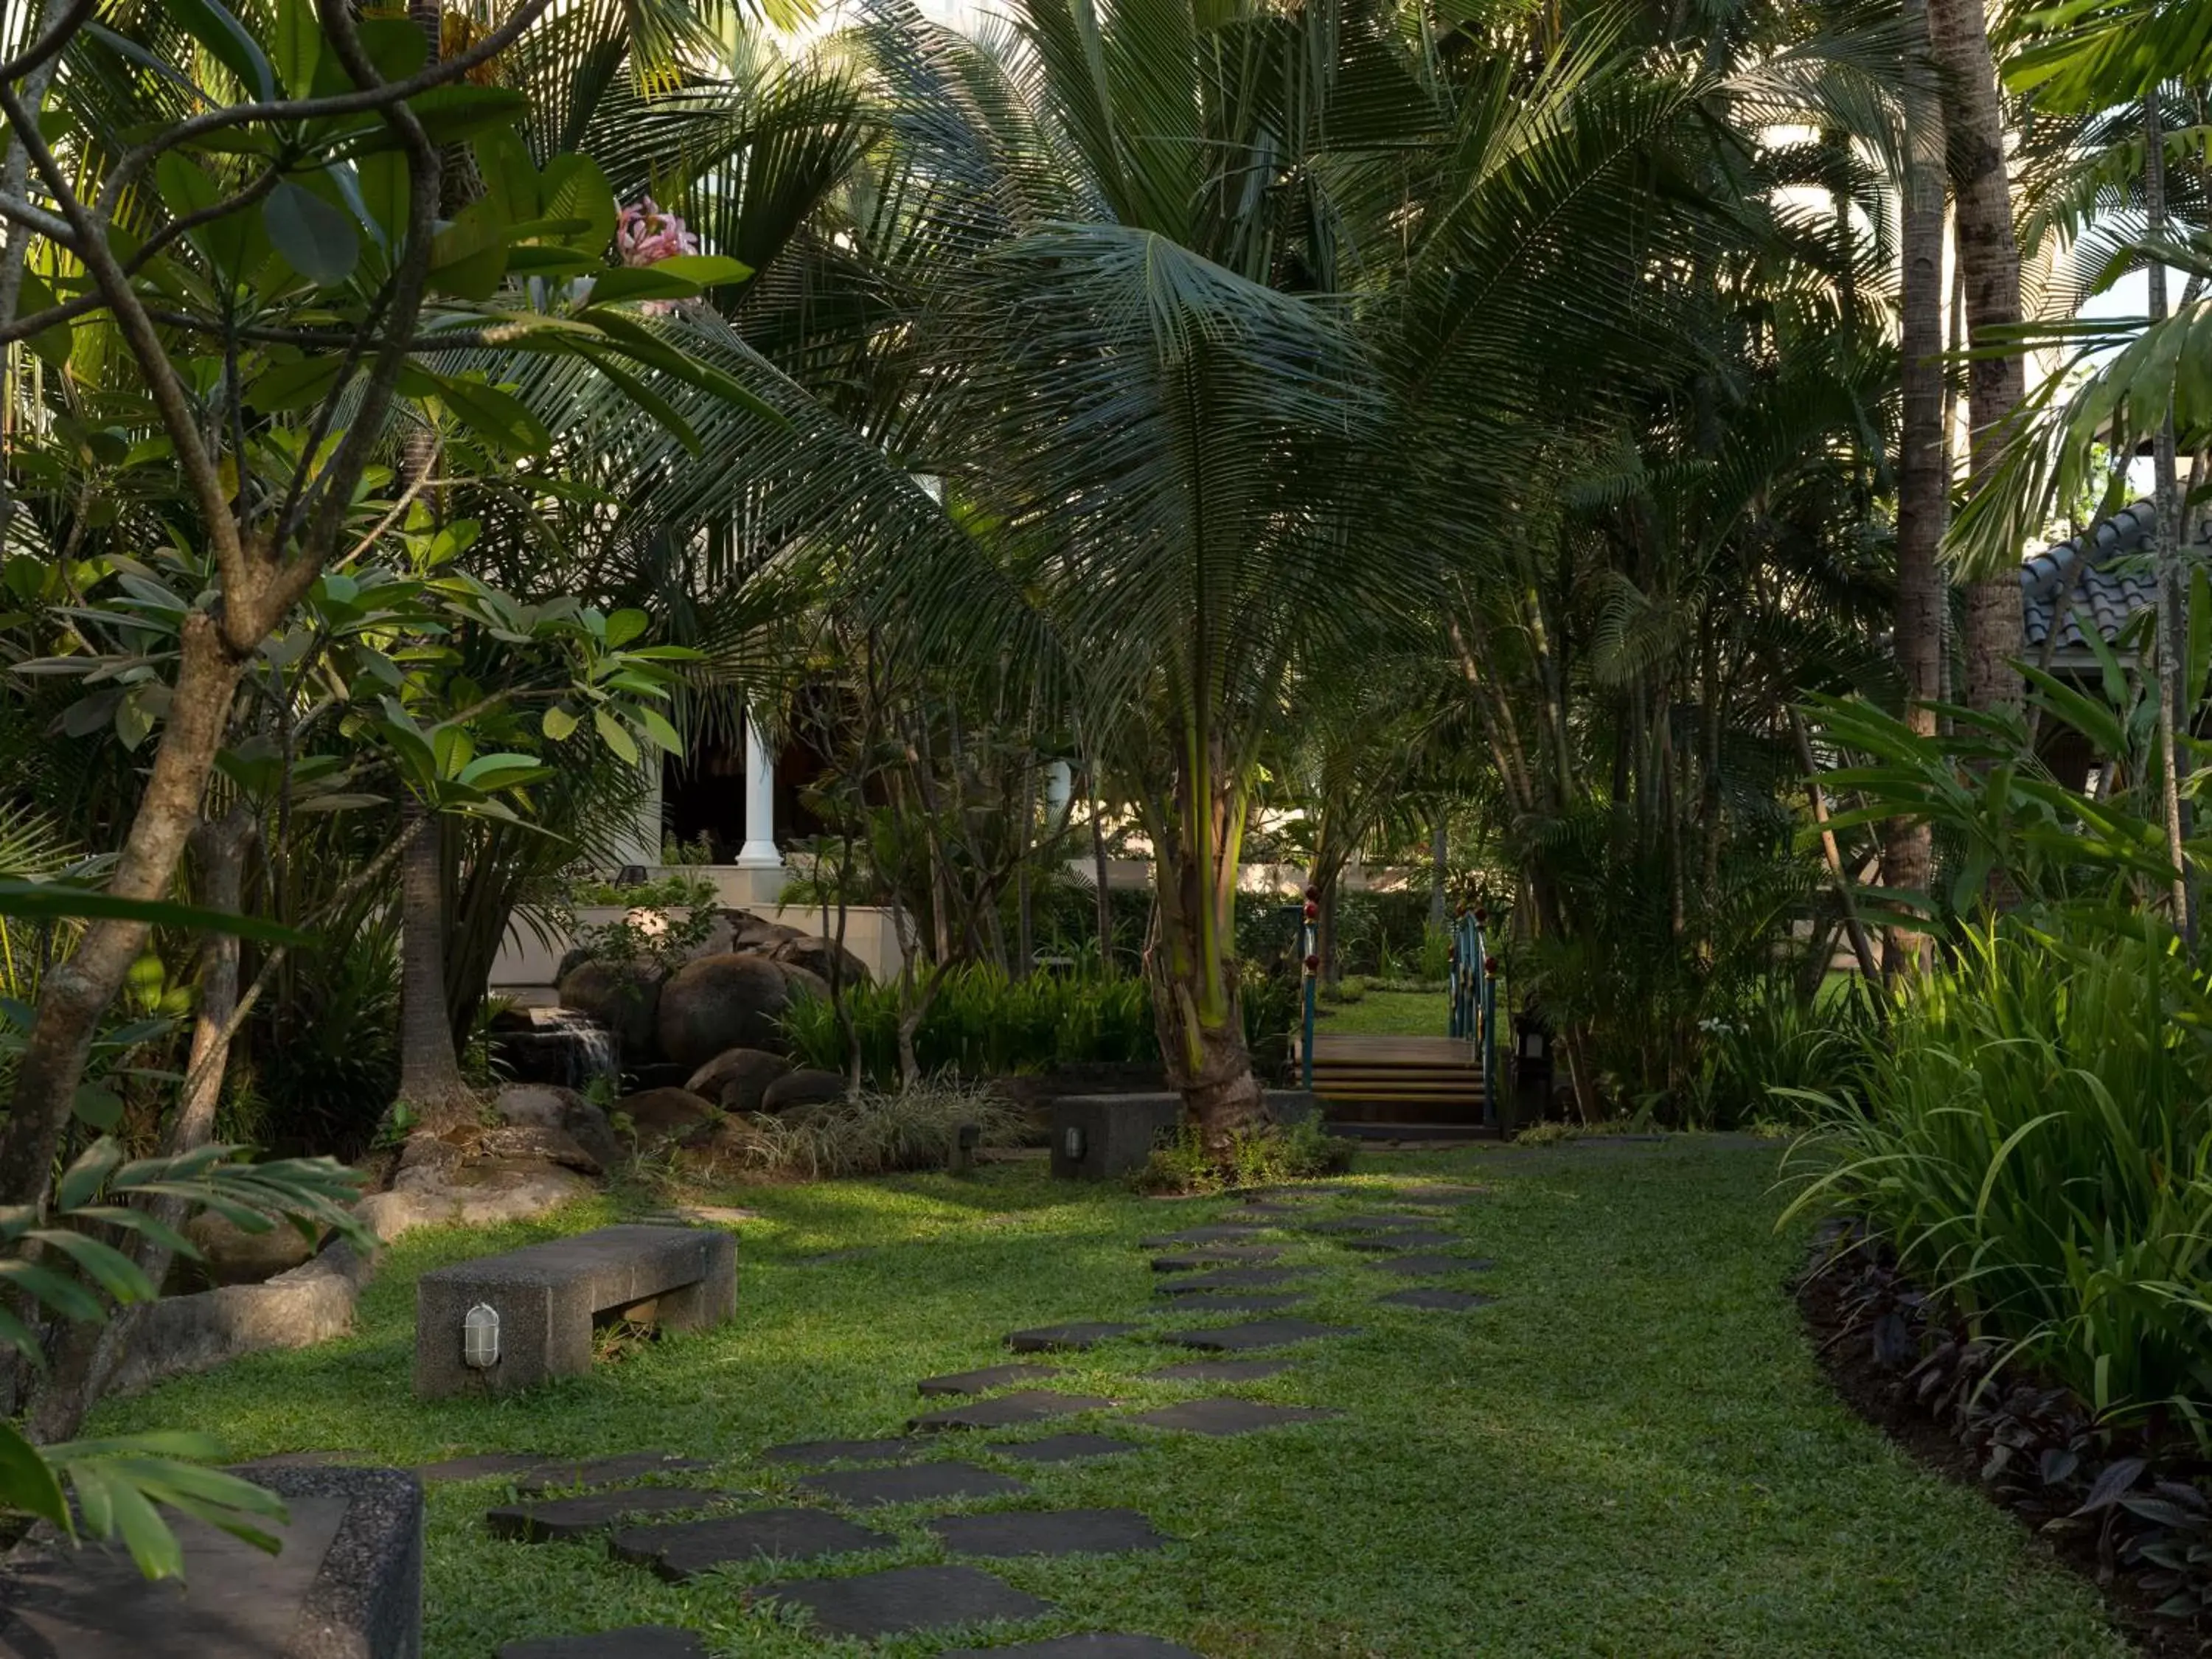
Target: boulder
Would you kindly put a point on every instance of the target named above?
(730, 1001)
(535, 1105)
(804, 981)
(657, 1115)
(750, 933)
(583, 1126)
(548, 1146)
(736, 1077)
(231, 1256)
(622, 996)
(804, 1087)
(815, 954)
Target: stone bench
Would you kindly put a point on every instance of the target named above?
(547, 1297)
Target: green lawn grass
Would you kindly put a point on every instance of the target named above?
(1632, 1453)
(1398, 1013)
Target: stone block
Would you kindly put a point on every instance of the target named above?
(348, 1584)
(1105, 1136)
(546, 1294)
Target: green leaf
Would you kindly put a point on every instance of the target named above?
(299, 43)
(658, 728)
(647, 399)
(624, 626)
(294, 385)
(573, 187)
(500, 771)
(52, 344)
(384, 191)
(706, 270)
(510, 178)
(316, 239)
(558, 724)
(37, 901)
(115, 1273)
(625, 282)
(100, 1108)
(396, 45)
(497, 416)
(211, 24)
(611, 733)
(450, 114)
(186, 187)
(470, 255)
(27, 1485)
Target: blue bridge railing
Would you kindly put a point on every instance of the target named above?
(1475, 1001)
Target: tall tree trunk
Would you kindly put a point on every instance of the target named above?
(2172, 591)
(1989, 261)
(1907, 850)
(430, 1079)
(1196, 1001)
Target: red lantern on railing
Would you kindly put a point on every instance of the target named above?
(1313, 964)
(1482, 916)
(1490, 967)
(1312, 909)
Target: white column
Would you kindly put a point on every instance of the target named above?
(1058, 785)
(759, 851)
(640, 841)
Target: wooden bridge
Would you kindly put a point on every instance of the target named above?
(1381, 1082)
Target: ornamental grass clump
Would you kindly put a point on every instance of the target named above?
(2035, 1144)
(869, 1133)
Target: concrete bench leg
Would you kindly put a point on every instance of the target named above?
(711, 1301)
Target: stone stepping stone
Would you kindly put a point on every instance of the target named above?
(1048, 1532)
(1233, 1279)
(1257, 1334)
(1438, 1194)
(900, 1449)
(1367, 1224)
(917, 1483)
(1077, 1337)
(576, 1517)
(1445, 1301)
(558, 1476)
(1219, 1301)
(637, 1642)
(1221, 1370)
(1408, 1238)
(1223, 1234)
(1098, 1645)
(1415, 1266)
(1063, 1448)
(990, 1377)
(481, 1466)
(687, 1548)
(904, 1599)
(1216, 1255)
(1003, 1411)
(1222, 1415)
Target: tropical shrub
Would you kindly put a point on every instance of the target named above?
(2034, 1141)
(1258, 1157)
(871, 1133)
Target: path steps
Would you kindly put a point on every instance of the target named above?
(990, 1377)
(904, 1599)
(1061, 1448)
(1445, 1301)
(1416, 1267)
(1256, 1333)
(1409, 1238)
(687, 1548)
(898, 1449)
(575, 1517)
(637, 1642)
(914, 1483)
(1076, 1337)
(1047, 1532)
(1005, 1411)
(1220, 1414)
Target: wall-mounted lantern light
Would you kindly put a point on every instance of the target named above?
(1071, 1141)
(480, 1337)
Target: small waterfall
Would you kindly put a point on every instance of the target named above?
(573, 1049)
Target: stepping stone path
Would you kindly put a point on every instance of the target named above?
(1220, 1270)
(1409, 1238)
(1051, 1532)
(1206, 1302)
(1005, 1411)
(916, 1483)
(1221, 1414)
(1258, 1334)
(1047, 1338)
(551, 1476)
(1415, 1266)
(1446, 1301)
(1095, 1646)
(990, 1377)
(1218, 1255)
(577, 1517)
(1062, 1448)
(845, 1451)
(1221, 1370)
(1235, 1278)
(638, 1642)
(688, 1548)
(904, 1599)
